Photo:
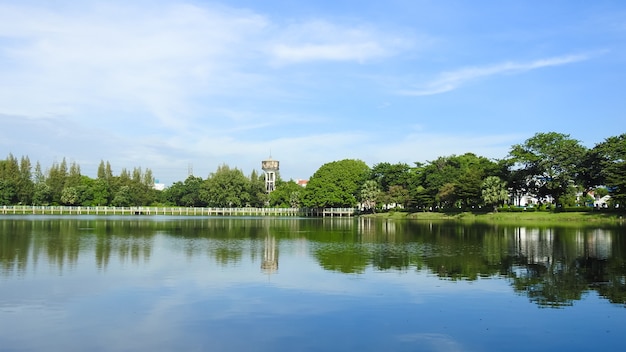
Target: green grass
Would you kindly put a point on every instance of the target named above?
(506, 217)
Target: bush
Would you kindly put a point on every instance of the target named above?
(573, 209)
(516, 209)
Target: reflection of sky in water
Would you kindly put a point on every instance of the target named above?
(181, 297)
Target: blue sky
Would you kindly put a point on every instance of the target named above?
(169, 84)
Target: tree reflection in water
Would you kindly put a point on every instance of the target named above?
(553, 265)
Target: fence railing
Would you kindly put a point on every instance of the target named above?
(104, 210)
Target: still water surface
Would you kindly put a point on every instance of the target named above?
(271, 284)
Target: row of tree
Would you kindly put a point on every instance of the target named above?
(551, 167)
(64, 184)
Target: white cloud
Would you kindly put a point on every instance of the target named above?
(324, 41)
(452, 80)
(136, 60)
(162, 64)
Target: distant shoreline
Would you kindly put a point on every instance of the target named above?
(506, 217)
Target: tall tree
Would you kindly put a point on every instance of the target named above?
(70, 196)
(287, 194)
(25, 186)
(42, 195)
(399, 195)
(258, 195)
(9, 180)
(227, 187)
(610, 161)
(549, 163)
(369, 194)
(147, 179)
(494, 192)
(57, 175)
(387, 175)
(38, 176)
(336, 184)
(122, 197)
(192, 192)
(455, 180)
(103, 185)
(74, 176)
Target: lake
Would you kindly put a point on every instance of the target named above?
(161, 283)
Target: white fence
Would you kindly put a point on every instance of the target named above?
(247, 211)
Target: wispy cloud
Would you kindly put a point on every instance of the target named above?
(162, 64)
(151, 62)
(324, 41)
(452, 80)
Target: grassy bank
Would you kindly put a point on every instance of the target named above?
(505, 217)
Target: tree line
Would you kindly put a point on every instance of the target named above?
(552, 167)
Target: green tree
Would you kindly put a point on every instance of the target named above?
(336, 184)
(468, 187)
(122, 197)
(57, 175)
(104, 170)
(25, 184)
(388, 175)
(494, 192)
(399, 195)
(102, 188)
(70, 196)
(10, 180)
(147, 179)
(86, 191)
(455, 180)
(173, 194)
(38, 176)
(369, 194)
(7, 192)
(609, 158)
(101, 191)
(447, 195)
(191, 195)
(549, 162)
(74, 176)
(420, 197)
(42, 194)
(227, 187)
(258, 195)
(138, 189)
(287, 194)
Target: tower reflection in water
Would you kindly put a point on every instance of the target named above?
(269, 264)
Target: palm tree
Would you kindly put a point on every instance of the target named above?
(494, 192)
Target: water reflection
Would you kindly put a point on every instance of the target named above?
(552, 266)
(269, 264)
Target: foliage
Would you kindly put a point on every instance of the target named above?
(70, 196)
(227, 187)
(192, 193)
(551, 166)
(388, 175)
(369, 194)
(286, 195)
(548, 162)
(455, 181)
(494, 191)
(399, 195)
(336, 184)
(122, 197)
(258, 194)
(610, 158)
